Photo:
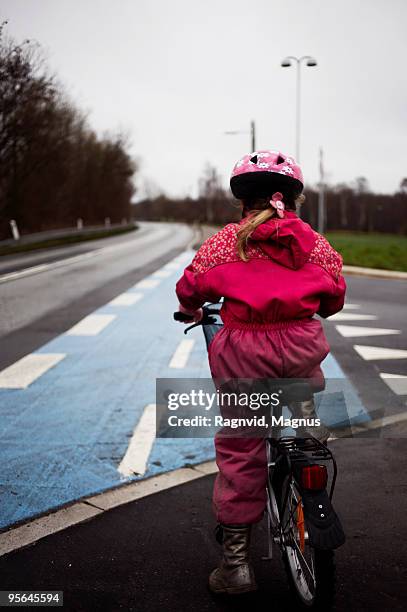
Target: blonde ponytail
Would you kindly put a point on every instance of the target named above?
(256, 218)
(260, 212)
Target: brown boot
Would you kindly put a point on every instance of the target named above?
(235, 574)
(306, 410)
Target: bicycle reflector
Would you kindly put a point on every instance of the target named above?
(314, 477)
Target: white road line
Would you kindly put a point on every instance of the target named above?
(172, 265)
(351, 306)
(10, 276)
(352, 331)
(26, 370)
(26, 272)
(388, 420)
(147, 283)
(181, 355)
(135, 459)
(76, 258)
(370, 353)
(352, 316)
(162, 273)
(42, 267)
(126, 299)
(375, 424)
(396, 382)
(91, 325)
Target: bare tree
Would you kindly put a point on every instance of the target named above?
(210, 190)
(53, 167)
(403, 185)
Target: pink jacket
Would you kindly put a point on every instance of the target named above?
(292, 274)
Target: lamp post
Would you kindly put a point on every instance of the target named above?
(252, 133)
(321, 195)
(286, 63)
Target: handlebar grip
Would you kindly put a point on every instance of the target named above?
(182, 317)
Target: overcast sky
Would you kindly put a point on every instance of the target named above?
(176, 74)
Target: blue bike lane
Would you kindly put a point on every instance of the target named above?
(75, 413)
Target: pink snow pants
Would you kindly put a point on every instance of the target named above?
(292, 349)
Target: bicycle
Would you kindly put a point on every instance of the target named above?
(301, 520)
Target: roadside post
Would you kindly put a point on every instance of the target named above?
(14, 229)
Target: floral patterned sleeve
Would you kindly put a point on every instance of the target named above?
(325, 256)
(191, 288)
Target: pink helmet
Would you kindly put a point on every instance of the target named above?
(261, 173)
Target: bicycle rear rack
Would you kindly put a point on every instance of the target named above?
(296, 449)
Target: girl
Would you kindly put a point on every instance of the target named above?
(274, 273)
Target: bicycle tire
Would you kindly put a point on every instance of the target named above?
(324, 572)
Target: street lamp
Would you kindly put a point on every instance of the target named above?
(252, 134)
(286, 63)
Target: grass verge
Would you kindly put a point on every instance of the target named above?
(63, 240)
(382, 251)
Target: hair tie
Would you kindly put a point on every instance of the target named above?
(277, 203)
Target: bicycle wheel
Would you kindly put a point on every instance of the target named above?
(311, 572)
(272, 505)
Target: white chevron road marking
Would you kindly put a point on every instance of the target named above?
(352, 331)
(370, 353)
(375, 424)
(25, 371)
(396, 382)
(351, 306)
(351, 316)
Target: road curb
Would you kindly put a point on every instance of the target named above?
(88, 508)
(374, 272)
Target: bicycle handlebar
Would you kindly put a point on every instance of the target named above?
(182, 317)
(208, 318)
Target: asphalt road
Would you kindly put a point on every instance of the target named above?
(39, 306)
(156, 553)
(385, 301)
